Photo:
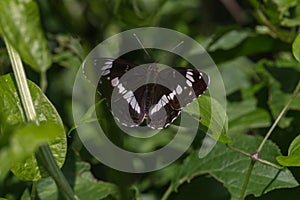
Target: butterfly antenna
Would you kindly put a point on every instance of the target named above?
(180, 43)
(139, 41)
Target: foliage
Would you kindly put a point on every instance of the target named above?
(256, 48)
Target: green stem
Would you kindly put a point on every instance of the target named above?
(238, 150)
(295, 93)
(33, 190)
(246, 182)
(255, 157)
(43, 80)
(167, 193)
(22, 85)
(44, 153)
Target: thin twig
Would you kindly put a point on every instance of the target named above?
(167, 193)
(246, 182)
(239, 150)
(255, 157)
(295, 93)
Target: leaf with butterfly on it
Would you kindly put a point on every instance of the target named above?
(214, 122)
(144, 91)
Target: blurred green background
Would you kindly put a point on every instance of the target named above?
(251, 43)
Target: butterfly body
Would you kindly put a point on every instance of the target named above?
(145, 92)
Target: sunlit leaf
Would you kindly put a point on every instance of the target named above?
(214, 119)
(20, 25)
(229, 40)
(22, 144)
(293, 158)
(11, 108)
(296, 48)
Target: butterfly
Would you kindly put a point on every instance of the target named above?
(144, 93)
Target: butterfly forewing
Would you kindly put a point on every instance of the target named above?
(125, 103)
(186, 84)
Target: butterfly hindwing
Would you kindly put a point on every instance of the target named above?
(159, 110)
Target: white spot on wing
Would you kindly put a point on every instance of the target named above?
(156, 108)
(190, 78)
(164, 98)
(108, 62)
(121, 88)
(163, 103)
(189, 83)
(115, 82)
(189, 73)
(171, 95)
(105, 67)
(153, 110)
(179, 89)
(105, 72)
(128, 94)
(134, 105)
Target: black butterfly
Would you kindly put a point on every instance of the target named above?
(136, 93)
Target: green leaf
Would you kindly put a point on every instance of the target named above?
(296, 48)
(281, 76)
(230, 168)
(295, 18)
(284, 5)
(293, 158)
(85, 187)
(23, 142)
(229, 40)
(245, 114)
(20, 25)
(11, 108)
(236, 71)
(213, 119)
(254, 119)
(291, 22)
(252, 45)
(67, 59)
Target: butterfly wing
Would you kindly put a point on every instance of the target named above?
(161, 102)
(175, 89)
(159, 108)
(118, 89)
(186, 84)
